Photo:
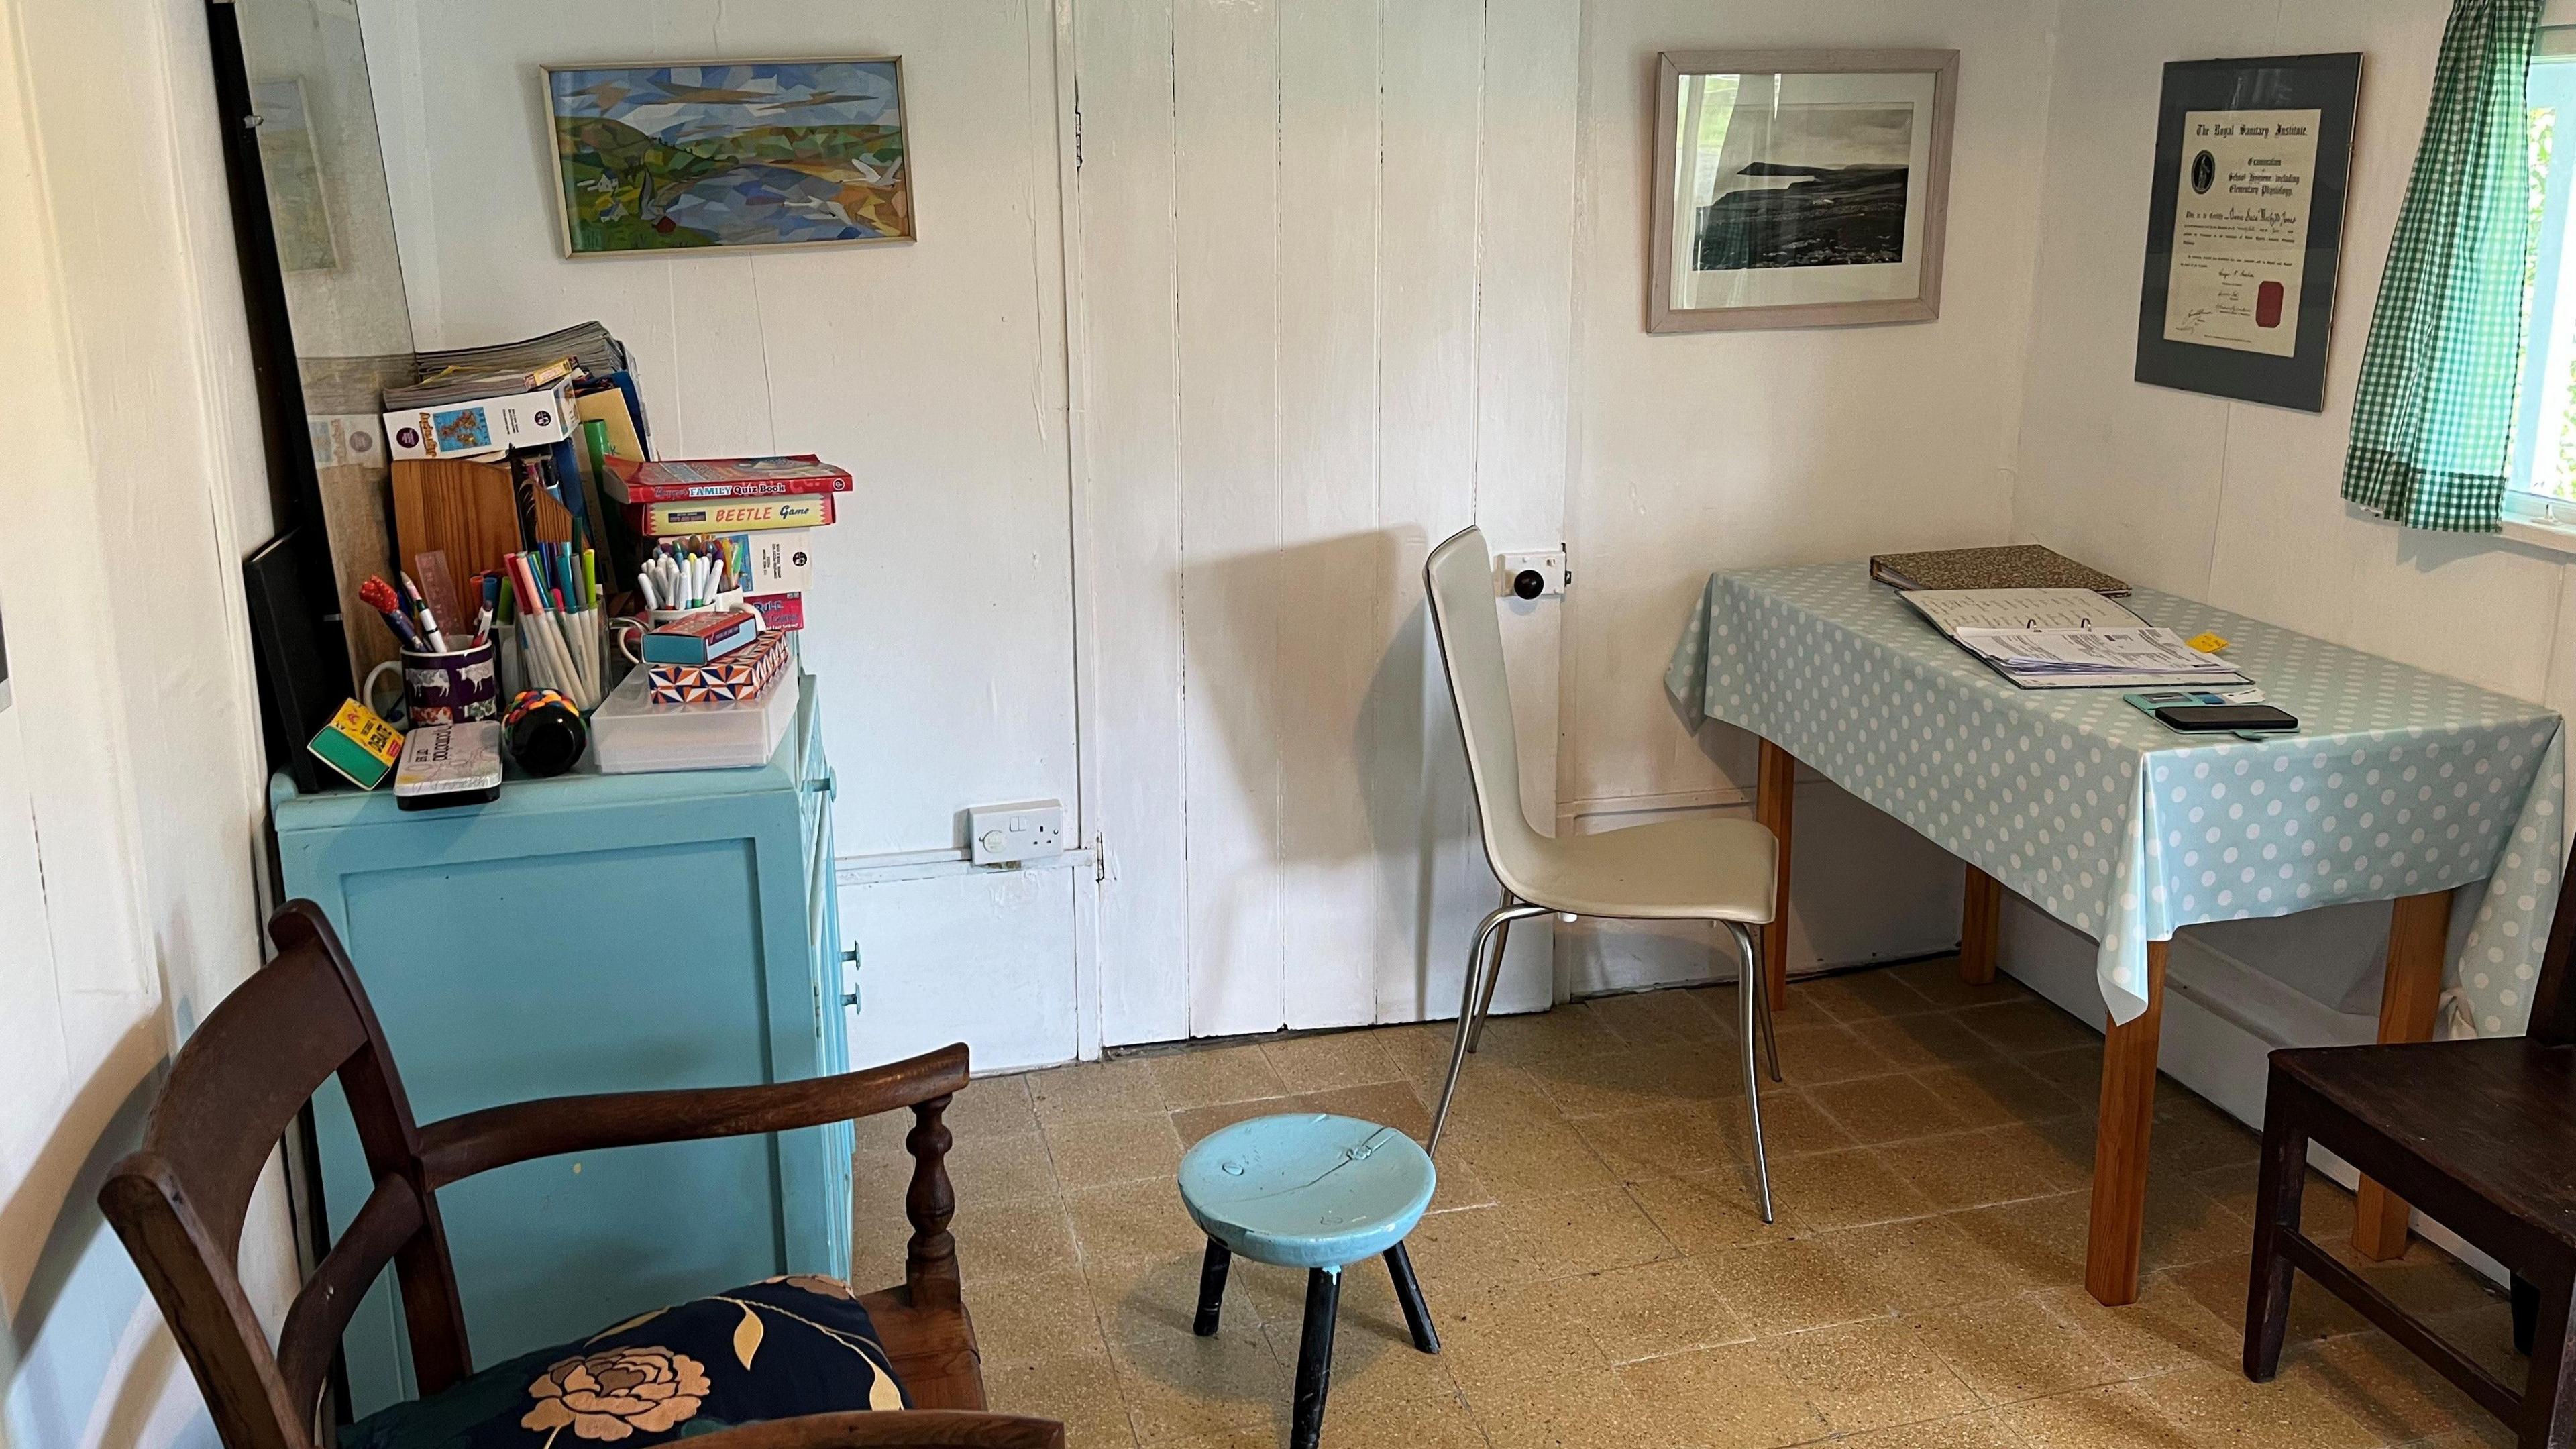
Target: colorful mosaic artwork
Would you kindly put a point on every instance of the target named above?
(760, 153)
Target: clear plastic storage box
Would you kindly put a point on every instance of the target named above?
(631, 735)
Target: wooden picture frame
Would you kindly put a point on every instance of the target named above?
(884, 212)
(1846, 254)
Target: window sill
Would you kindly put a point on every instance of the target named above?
(2532, 533)
(2535, 523)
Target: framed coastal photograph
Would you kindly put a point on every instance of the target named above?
(2245, 226)
(737, 153)
(1799, 188)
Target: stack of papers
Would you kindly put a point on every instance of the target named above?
(2067, 639)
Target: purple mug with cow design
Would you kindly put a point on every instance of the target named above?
(444, 688)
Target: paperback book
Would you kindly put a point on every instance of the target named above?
(697, 480)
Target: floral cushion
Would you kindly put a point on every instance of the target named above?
(801, 1344)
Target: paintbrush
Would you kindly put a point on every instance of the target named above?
(380, 596)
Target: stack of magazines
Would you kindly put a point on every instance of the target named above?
(448, 386)
(588, 344)
(2067, 639)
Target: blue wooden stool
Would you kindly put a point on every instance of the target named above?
(1314, 1191)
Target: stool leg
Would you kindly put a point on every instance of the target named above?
(1408, 1291)
(1211, 1287)
(1315, 1357)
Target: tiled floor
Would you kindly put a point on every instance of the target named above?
(1600, 1276)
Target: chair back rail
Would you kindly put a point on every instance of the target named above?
(178, 1201)
(1458, 578)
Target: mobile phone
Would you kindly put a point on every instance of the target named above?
(2227, 718)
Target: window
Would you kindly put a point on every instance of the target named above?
(2541, 473)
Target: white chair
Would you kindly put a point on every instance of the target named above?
(1701, 869)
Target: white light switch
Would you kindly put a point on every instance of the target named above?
(1023, 830)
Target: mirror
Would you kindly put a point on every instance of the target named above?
(330, 211)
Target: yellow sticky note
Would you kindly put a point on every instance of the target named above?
(2206, 643)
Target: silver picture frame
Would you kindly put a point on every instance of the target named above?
(1817, 197)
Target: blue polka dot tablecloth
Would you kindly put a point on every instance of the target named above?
(2399, 781)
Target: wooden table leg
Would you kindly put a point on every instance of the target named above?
(1981, 921)
(2419, 934)
(1774, 802)
(2120, 1144)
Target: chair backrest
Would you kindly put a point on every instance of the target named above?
(2553, 996)
(179, 1200)
(1459, 578)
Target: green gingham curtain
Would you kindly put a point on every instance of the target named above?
(2433, 418)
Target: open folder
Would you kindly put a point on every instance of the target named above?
(2067, 639)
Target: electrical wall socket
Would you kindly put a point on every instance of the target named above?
(1025, 830)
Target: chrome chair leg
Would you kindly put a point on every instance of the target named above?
(1493, 977)
(1754, 1012)
(1475, 991)
(1770, 1037)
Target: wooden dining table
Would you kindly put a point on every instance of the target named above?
(2401, 785)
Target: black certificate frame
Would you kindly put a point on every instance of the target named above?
(2328, 84)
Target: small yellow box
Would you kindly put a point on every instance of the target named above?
(359, 744)
(2206, 643)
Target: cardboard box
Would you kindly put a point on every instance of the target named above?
(481, 429)
(783, 612)
(743, 674)
(779, 562)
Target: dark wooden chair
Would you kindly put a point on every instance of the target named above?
(2479, 1134)
(236, 1086)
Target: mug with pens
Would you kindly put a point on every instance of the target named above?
(682, 576)
(442, 683)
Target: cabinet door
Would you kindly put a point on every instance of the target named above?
(555, 975)
(824, 953)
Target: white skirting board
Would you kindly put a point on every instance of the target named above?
(2222, 1021)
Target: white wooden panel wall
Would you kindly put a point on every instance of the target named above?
(1746, 449)
(130, 769)
(978, 958)
(941, 613)
(1324, 262)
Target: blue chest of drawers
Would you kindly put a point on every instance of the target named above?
(592, 933)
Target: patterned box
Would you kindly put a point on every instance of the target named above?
(739, 676)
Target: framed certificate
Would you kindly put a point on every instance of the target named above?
(2245, 227)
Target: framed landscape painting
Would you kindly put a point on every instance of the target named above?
(744, 153)
(1799, 188)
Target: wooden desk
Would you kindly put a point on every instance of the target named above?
(2418, 929)
(2104, 819)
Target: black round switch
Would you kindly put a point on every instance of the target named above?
(1529, 584)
